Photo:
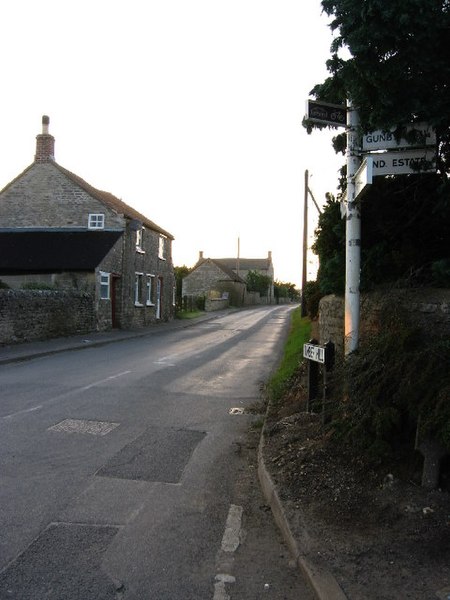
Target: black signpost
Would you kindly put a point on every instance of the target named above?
(317, 354)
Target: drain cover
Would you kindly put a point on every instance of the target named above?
(81, 426)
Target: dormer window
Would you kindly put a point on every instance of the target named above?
(140, 240)
(96, 221)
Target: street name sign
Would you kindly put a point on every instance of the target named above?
(314, 352)
(386, 140)
(403, 162)
(326, 113)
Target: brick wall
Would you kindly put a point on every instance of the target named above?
(429, 308)
(27, 315)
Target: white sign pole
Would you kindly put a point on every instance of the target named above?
(353, 235)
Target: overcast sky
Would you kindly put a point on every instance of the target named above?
(188, 110)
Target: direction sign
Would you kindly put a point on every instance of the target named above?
(313, 352)
(326, 113)
(403, 162)
(363, 176)
(385, 140)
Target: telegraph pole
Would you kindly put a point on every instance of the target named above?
(305, 243)
(353, 235)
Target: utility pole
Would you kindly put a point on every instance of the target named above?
(305, 244)
(353, 235)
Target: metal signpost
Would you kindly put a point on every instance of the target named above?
(383, 154)
(352, 235)
(316, 355)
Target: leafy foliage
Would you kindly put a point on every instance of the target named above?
(312, 298)
(396, 74)
(257, 282)
(180, 273)
(285, 290)
(330, 248)
(397, 379)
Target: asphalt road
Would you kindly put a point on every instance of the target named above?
(128, 471)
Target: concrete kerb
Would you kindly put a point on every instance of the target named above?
(322, 582)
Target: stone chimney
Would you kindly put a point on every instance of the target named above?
(200, 255)
(45, 143)
(269, 256)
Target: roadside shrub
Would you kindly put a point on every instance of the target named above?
(313, 294)
(394, 387)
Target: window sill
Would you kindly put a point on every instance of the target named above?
(149, 304)
(138, 305)
(139, 250)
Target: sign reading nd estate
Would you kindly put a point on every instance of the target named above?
(404, 162)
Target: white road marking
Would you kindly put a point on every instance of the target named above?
(23, 412)
(163, 360)
(230, 542)
(65, 395)
(220, 592)
(231, 535)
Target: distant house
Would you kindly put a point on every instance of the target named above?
(57, 229)
(226, 277)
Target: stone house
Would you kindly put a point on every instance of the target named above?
(58, 230)
(226, 277)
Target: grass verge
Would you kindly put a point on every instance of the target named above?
(192, 314)
(299, 333)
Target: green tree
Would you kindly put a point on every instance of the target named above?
(286, 290)
(396, 74)
(257, 282)
(180, 273)
(329, 246)
(398, 70)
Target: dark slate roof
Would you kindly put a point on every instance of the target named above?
(246, 264)
(27, 251)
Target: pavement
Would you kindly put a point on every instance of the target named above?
(323, 584)
(28, 350)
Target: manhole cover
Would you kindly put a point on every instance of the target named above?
(82, 426)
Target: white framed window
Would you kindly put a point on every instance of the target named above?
(105, 285)
(174, 295)
(96, 221)
(162, 247)
(138, 289)
(140, 240)
(149, 290)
